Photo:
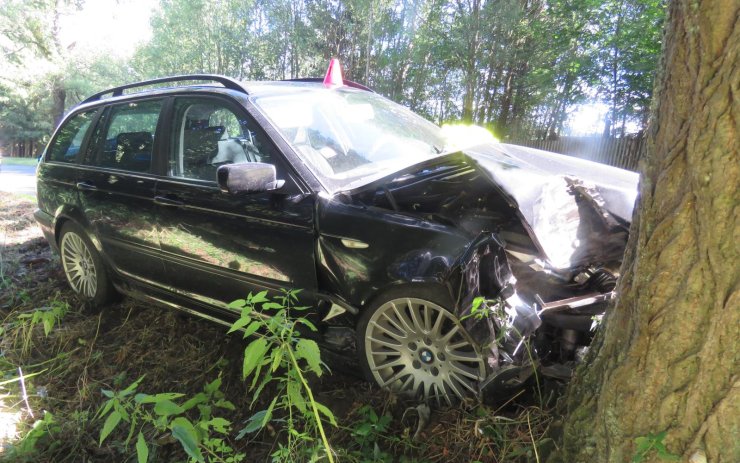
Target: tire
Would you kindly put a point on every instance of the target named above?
(83, 267)
(409, 342)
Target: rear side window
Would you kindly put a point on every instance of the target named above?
(128, 139)
(67, 143)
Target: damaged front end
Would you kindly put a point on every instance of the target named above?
(535, 307)
(528, 245)
(495, 316)
(516, 331)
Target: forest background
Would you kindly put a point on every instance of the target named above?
(521, 68)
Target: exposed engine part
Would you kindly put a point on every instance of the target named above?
(568, 341)
(572, 302)
(603, 281)
(596, 278)
(524, 318)
(582, 277)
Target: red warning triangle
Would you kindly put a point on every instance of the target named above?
(334, 74)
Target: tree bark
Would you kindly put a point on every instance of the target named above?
(667, 358)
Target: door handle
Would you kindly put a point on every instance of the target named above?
(86, 186)
(167, 201)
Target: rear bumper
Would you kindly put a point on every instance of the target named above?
(46, 223)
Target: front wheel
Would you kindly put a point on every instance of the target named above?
(417, 347)
(83, 266)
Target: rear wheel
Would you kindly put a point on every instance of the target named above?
(83, 266)
(417, 347)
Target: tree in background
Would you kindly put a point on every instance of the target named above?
(515, 66)
(41, 77)
(665, 369)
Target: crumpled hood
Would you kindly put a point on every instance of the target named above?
(562, 198)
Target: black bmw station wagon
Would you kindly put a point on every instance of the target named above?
(194, 195)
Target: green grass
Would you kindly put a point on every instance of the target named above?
(19, 161)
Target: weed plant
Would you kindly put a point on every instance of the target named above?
(281, 357)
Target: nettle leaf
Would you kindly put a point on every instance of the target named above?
(197, 399)
(254, 354)
(326, 412)
(266, 379)
(253, 424)
(271, 306)
(277, 357)
(363, 430)
(252, 328)
(132, 387)
(167, 407)
(295, 396)
(220, 424)
(151, 399)
(107, 393)
(106, 408)
(307, 323)
(247, 311)
(237, 304)
(225, 404)
(268, 416)
(308, 350)
(213, 386)
(110, 424)
(239, 324)
(184, 431)
(257, 298)
(48, 323)
(142, 450)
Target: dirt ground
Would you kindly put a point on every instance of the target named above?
(90, 350)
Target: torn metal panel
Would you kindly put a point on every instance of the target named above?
(485, 272)
(578, 210)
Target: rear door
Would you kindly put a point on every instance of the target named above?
(116, 188)
(57, 175)
(219, 247)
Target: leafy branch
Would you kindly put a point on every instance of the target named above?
(280, 356)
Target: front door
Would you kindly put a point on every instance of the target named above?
(219, 247)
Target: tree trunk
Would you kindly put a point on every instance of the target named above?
(667, 358)
(59, 98)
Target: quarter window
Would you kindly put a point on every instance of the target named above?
(128, 142)
(66, 146)
(208, 133)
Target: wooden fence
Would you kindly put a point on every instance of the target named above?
(619, 152)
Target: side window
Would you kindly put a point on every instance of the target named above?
(208, 133)
(68, 141)
(128, 140)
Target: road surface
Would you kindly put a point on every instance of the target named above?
(18, 179)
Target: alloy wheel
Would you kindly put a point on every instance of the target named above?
(416, 347)
(79, 265)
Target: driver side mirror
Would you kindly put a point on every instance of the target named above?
(248, 177)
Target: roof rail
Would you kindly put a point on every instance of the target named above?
(227, 82)
(348, 83)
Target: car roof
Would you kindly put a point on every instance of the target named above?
(228, 86)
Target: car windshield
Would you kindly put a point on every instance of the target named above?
(350, 137)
